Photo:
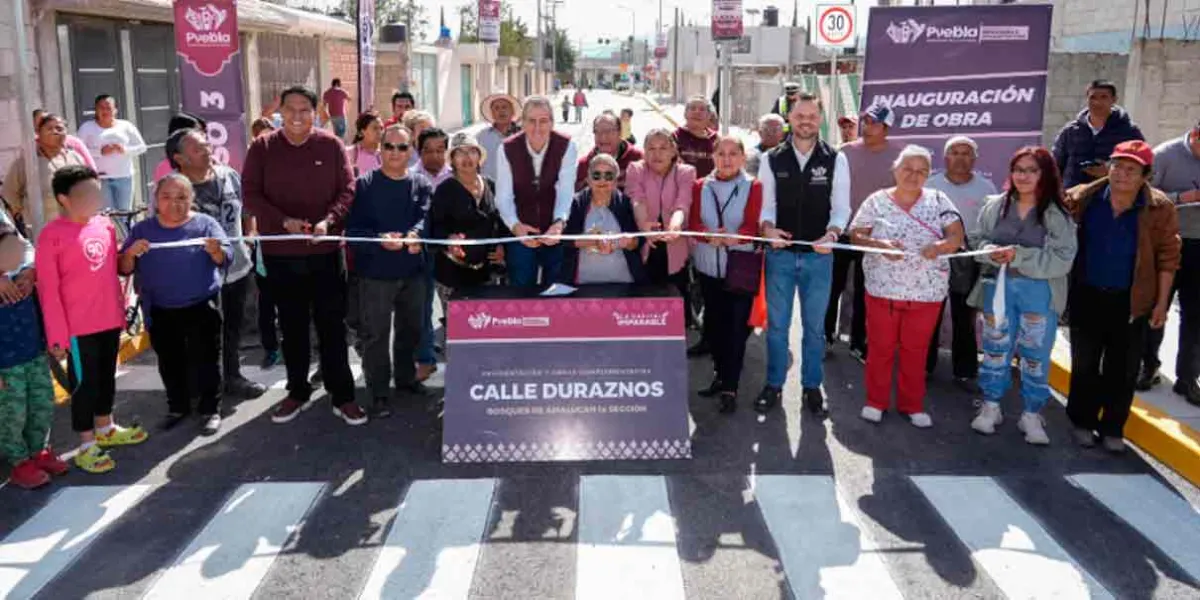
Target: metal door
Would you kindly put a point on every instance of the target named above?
(155, 90)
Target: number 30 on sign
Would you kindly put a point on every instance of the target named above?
(835, 26)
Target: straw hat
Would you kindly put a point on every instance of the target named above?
(485, 107)
(462, 141)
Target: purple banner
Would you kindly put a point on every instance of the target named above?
(210, 73)
(613, 390)
(366, 55)
(972, 70)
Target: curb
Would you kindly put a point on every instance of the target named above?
(131, 347)
(1173, 443)
(656, 107)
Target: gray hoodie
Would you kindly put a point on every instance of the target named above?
(1177, 169)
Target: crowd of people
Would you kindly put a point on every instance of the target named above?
(1090, 227)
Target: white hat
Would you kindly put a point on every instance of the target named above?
(462, 141)
(961, 139)
(485, 107)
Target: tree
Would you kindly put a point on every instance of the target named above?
(566, 54)
(468, 28)
(416, 16)
(514, 33)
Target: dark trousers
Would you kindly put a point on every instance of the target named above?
(1104, 359)
(266, 315)
(1187, 289)
(726, 327)
(312, 288)
(523, 263)
(964, 350)
(96, 354)
(233, 317)
(391, 309)
(843, 260)
(187, 342)
(681, 281)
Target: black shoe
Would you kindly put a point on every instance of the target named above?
(699, 349)
(381, 408)
(170, 421)
(244, 388)
(767, 399)
(967, 384)
(814, 402)
(1148, 378)
(712, 390)
(212, 424)
(317, 380)
(1190, 390)
(270, 359)
(415, 388)
(727, 403)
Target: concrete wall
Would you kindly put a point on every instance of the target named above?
(1069, 76)
(341, 58)
(1110, 25)
(15, 128)
(1164, 90)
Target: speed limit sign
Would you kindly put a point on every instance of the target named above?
(834, 23)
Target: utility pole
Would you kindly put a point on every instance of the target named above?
(538, 52)
(675, 58)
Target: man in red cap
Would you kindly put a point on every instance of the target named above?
(848, 127)
(1128, 253)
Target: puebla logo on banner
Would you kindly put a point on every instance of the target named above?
(205, 34)
(909, 31)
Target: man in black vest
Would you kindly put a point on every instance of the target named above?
(535, 184)
(806, 198)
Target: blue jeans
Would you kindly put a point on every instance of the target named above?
(118, 192)
(426, 355)
(1029, 329)
(522, 264)
(811, 274)
(339, 126)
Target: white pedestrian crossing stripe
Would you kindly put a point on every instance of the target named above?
(234, 551)
(434, 542)
(1019, 555)
(822, 545)
(46, 544)
(626, 539)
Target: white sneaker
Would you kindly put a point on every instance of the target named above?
(921, 420)
(1034, 428)
(988, 418)
(872, 414)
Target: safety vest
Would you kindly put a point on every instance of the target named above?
(782, 106)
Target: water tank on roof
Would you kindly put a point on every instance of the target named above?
(393, 33)
(770, 17)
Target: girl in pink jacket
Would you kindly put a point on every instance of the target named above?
(83, 309)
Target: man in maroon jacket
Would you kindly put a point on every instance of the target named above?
(607, 129)
(297, 181)
(695, 140)
(535, 183)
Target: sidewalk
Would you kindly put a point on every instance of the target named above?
(1161, 422)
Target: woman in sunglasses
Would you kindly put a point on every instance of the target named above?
(728, 202)
(601, 208)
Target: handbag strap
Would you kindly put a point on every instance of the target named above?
(938, 234)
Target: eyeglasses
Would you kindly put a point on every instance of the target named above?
(603, 175)
(396, 147)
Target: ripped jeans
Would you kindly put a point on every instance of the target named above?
(1029, 331)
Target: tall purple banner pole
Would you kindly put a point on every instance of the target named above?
(210, 73)
(978, 71)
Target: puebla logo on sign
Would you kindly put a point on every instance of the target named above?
(206, 33)
(909, 31)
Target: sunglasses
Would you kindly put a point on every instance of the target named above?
(396, 147)
(603, 175)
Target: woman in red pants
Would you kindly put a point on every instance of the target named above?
(904, 291)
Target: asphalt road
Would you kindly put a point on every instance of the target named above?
(781, 506)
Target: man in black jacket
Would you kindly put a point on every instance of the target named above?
(1083, 145)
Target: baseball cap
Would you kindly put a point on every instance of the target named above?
(1135, 150)
(791, 86)
(880, 114)
(844, 119)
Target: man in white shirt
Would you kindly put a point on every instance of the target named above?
(806, 197)
(968, 191)
(534, 187)
(114, 143)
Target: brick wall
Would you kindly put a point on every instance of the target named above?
(1070, 73)
(390, 67)
(1163, 87)
(343, 64)
(12, 116)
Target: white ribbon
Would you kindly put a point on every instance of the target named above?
(562, 238)
(998, 310)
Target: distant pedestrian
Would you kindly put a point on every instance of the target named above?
(335, 100)
(580, 101)
(114, 143)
